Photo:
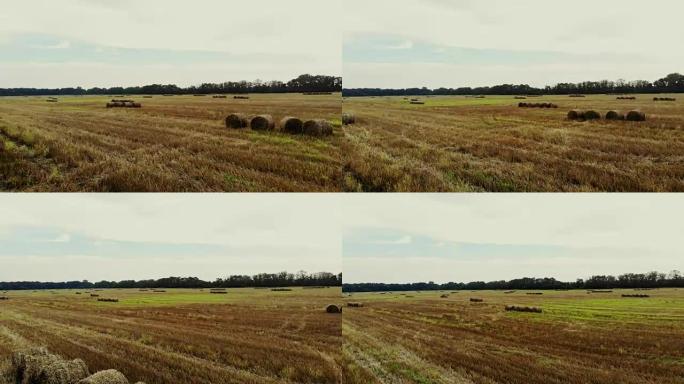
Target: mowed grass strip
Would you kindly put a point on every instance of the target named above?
(244, 336)
(464, 144)
(170, 144)
(579, 338)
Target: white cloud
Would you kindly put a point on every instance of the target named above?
(64, 44)
(581, 26)
(63, 238)
(610, 233)
(262, 233)
(401, 240)
(649, 30)
(227, 26)
(88, 74)
(283, 30)
(408, 44)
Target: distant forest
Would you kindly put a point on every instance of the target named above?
(672, 83)
(628, 280)
(282, 279)
(303, 83)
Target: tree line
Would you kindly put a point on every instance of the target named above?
(672, 83)
(281, 279)
(303, 83)
(627, 280)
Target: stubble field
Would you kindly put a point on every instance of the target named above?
(420, 337)
(171, 144)
(454, 143)
(181, 335)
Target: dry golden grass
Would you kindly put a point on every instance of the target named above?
(580, 338)
(465, 144)
(184, 336)
(449, 144)
(170, 144)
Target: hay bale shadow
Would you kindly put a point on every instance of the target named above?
(348, 118)
(635, 115)
(592, 115)
(318, 127)
(262, 123)
(576, 114)
(237, 121)
(292, 125)
(615, 115)
(332, 308)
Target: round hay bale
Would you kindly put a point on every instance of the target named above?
(317, 127)
(110, 376)
(592, 115)
(262, 123)
(576, 114)
(332, 308)
(348, 118)
(615, 115)
(291, 124)
(237, 121)
(522, 105)
(20, 360)
(635, 116)
(37, 365)
(63, 372)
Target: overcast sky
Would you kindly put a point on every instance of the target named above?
(454, 43)
(58, 237)
(90, 43)
(396, 238)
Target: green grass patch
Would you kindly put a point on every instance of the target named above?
(408, 373)
(274, 138)
(235, 181)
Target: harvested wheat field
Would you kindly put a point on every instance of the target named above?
(579, 337)
(173, 144)
(454, 143)
(183, 335)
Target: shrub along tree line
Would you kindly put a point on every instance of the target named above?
(303, 83)
(281, 279)
(627, 280)
(672, 83)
